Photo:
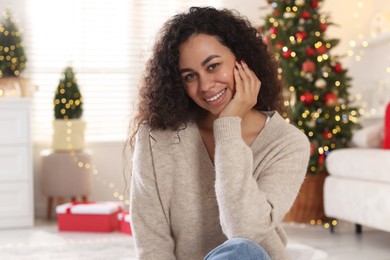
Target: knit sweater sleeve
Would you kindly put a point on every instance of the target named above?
(150, 224)
(249, 207)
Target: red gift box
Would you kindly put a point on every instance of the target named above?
(88, 216)
(124, 222)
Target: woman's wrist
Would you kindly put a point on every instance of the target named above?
(227, 128)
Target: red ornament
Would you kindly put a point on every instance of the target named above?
(322, 49)
(279, 45)
(327, 134)
(323, 27)
(337, 68)
(314, 4)
(321, 159)
(273, 30)
(286, 54)
(277, 13)
(308, 66)
(305, 15)
(330, 99)
(307, 98)
(301, 35)
(310, 51)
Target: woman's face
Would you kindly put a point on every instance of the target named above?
(206, 68)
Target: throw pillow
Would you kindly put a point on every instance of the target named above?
(386, 140)
(369, 136)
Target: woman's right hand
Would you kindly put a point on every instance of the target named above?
(247, 89)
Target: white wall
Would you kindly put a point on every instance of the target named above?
(370, 79)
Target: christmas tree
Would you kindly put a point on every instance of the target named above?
(12, 58)
(317, 85)
(68, 100)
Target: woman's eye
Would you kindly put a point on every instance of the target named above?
(213, 66)
(189, 76)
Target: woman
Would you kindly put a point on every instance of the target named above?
(215, 167)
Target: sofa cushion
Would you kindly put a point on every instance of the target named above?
(359, 163)
(369, 137)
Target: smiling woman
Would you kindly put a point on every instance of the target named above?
(215, 167)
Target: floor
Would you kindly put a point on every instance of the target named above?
(343, 244)
(43, 241)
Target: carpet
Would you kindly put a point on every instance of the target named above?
(73, 247)
(299, 251)
(51, 244)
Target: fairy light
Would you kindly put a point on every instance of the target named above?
(95, 172)
(85, 165)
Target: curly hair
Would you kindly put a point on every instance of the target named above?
(164, 103)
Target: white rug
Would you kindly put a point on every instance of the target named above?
(299, 251)
(48, 243)
(118, 247)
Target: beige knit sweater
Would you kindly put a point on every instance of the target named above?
(183, 205)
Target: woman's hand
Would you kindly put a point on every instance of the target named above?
(247, 90)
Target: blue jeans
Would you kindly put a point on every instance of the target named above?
(238, 248)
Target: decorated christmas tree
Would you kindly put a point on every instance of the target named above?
(12, 58)
(68, 100)
(317, 85)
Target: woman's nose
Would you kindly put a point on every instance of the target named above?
(206, 82)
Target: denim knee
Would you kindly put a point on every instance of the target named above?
(238, 248)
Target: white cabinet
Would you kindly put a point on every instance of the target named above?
(16, 177)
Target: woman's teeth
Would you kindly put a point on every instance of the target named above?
(216, 96)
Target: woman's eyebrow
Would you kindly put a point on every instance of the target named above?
(209, 58)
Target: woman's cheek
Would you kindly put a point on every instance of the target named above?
(228, 77)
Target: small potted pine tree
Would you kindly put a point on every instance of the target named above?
(68, 108)
(12, 58)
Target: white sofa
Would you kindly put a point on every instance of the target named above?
(358, 186)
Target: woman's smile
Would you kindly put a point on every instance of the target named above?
(217, 98)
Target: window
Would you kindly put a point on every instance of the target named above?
(106, 42)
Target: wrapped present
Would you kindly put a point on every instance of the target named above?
(124, 222)
(88, 216)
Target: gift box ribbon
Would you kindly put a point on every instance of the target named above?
(75, 203)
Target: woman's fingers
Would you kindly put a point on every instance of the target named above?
(247, 87)
(250, 83)
(238, 80)
(254, 81)
(244, 76)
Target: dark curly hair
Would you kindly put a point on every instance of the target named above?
(164, 103)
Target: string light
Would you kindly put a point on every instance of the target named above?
(95, 171)
(82, 164)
